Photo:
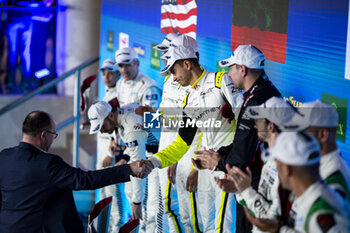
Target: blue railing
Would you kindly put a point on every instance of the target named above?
(76, 113)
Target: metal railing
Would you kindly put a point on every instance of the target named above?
(76, 113)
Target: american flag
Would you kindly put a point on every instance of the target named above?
(179, 16)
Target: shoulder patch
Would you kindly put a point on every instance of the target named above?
(218, 77)
(338, 182)
(325, 222)
(318, 205)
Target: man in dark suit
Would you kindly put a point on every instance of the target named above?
(36, 186)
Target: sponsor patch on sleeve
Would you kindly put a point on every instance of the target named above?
(218, 77)
(131, 144)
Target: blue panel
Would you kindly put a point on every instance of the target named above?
(214, 34)
(316, 48)
(140, 12)
(316, 44)
(217, 19)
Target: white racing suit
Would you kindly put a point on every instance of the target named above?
(144, 91)
(119, 211)
(178, 202)
(263, 203)
(203, 109)
(320, 210)
(135, 141)
(189, 204)
(336, 173)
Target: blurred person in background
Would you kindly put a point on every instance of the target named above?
(106, 157)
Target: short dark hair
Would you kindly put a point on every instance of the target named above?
(256, 71)
(278, 130)
(193, 61)
(197, 54)
(307, 170)
(36, 122)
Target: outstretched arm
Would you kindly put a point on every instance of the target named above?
(177, 149)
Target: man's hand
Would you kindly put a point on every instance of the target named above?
(172, 173)
(226, 184)
(147, 163)
(140, 109)
(240, 179)
(107, 161)
(264, 224)
(114, 148)
(208, 159)
(136, 211)
(197, 164)
(141, 168)
(192, 181)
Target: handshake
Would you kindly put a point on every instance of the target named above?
(141, 168)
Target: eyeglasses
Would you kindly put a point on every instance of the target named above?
(55, 135)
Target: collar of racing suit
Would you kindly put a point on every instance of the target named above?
(256, 84)
(200, 77)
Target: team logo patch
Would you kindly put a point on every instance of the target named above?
(196, 86)
(253, 113)
(206, 92)
(151, 120)
(131, 144)
(152, 97)
(224, 62)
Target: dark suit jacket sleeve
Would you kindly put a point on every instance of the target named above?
(242, 150)
(64, 176)
(224, 150)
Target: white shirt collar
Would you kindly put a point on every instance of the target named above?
(333, 153)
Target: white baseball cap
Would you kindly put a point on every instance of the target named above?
(247, 55)
(109, 64)
(164, 46)
(176, 53)
(316, 113)
(296, 149)
(186, 41)
(275, 109)
(125, 55)
(97, 114)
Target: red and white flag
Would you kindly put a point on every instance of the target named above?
(179, 16)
